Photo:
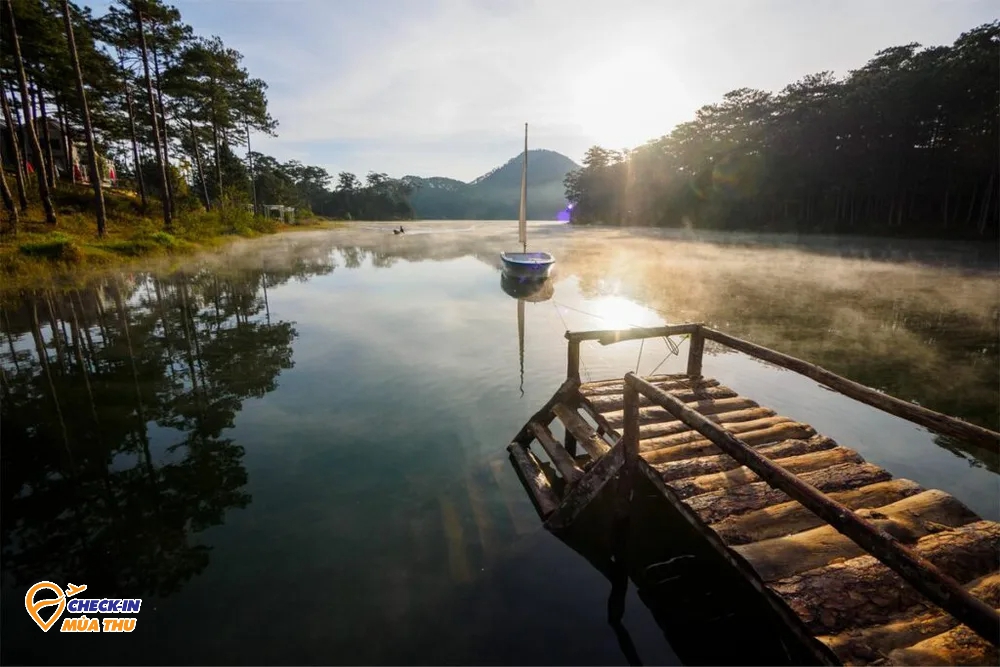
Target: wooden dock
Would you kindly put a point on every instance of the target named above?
(863, 567)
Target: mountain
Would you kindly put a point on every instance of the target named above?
(496, 195)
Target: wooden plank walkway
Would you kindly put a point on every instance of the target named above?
(843, 602)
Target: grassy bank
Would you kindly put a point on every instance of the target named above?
(41, 255)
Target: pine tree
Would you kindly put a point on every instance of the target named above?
(88, 130)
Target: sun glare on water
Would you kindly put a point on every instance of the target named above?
(616, 312)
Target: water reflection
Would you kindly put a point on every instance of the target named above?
(362, 388)
(115, 400)
(535, 291)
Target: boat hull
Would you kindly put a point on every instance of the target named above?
(530, 265)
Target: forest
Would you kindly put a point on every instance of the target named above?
(904, 146)
(134, 100)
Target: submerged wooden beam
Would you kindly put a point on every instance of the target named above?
(581, 430)
(545, 415)
(564, 463)
(534, 480)
(585, 490)
(921, 573)
(604, 427)
(935, 421)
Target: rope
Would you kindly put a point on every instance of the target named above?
(566, 327)
(672, 347)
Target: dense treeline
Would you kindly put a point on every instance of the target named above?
(172, 111)
(379, 197)
(906, 145)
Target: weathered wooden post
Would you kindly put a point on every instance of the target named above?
(572, 373)
(627, 476)
(573, 361)
(630, 433)
(696, 350)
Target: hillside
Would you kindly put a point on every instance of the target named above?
(496, 194)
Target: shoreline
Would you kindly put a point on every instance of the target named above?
(65, 257)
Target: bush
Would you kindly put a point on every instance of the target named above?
(53, 246)
(265, 225)
(233, 217)
(144, 244)
(164, 239)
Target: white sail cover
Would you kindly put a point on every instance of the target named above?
(522, 221)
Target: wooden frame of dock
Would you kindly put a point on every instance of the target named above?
(864, 568)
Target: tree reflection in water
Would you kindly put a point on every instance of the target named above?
(92, 380)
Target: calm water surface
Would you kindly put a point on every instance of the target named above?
(294, 451)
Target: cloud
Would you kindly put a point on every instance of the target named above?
(442, 88)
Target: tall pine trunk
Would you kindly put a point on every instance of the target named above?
(197, 162)
(167, 213)
(129, 103)
(163, 117)
(65, 145)
(253, 180)
(22, 79)
(50, 159)
(22, 191)
(218, 152)
(985, 209)
(8, 200)
(88, 129)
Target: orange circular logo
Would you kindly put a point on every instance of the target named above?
(33, 606)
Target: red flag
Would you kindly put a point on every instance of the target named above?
(31, 169)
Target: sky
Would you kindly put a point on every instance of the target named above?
(443, 87)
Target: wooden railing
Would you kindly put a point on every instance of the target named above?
(923, 575)
(933, 421)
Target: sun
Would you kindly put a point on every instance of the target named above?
(618, 313)
(627, 99)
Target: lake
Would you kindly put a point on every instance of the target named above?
(294, 450)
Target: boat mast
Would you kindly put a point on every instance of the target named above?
(520, 339)
(522, 223)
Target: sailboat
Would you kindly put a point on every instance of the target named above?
(524, 264)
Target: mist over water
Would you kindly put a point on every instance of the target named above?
(294, 450)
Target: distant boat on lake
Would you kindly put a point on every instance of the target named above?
(526, 264)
